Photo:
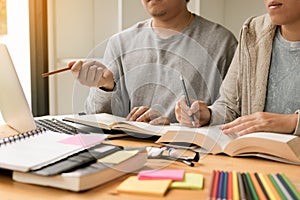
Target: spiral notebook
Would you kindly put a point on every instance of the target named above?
(23, 147)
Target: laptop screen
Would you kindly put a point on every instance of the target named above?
(13, 104)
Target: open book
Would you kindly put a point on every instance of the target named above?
(95, 174)
(274, 146)
(112, 122)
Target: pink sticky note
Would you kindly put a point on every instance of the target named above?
(177, 175)
(84, 140)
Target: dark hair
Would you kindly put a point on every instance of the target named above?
(187, 0)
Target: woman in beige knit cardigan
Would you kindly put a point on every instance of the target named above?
(261, 90)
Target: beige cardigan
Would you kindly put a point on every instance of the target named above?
(244, 88)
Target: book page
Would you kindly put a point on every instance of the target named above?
(284, 146)
(102, 120)
(210, 138)
(145, 128)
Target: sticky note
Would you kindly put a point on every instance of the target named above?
(118, 157)
(145, 187)
(161, 174)
(191, 181)
(84, 140)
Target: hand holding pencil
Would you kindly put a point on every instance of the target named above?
(69, 67)
(89, 73)
(188, 111)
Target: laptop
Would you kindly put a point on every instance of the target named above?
(16, 112)
(13, 104)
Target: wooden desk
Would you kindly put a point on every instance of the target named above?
(13, 190)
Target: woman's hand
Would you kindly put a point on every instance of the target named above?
(198, 112)
(262, 122)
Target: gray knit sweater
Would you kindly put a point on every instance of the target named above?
(147, 67)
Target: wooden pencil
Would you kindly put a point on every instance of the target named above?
(246, 187)
(215, 186)
(286, 187)
(229, 186)
(282, 188)
(293, 189)
(277, 187)
(261, 185)
(267, 187)
(251, 186)
(241, 187)
(220, 184)
(271, 186)
(211, 188)
(235, 186)
(56, 71)
(224, 186)
(257, 187)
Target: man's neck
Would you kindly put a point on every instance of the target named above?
(176, 23)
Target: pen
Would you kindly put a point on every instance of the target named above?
(188, 103)
(56, 71)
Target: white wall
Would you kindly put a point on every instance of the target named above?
(231, 13)
(76, 27)
(18, 42)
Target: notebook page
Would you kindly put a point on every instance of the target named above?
(35, 151)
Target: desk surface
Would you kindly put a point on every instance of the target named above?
(14, 190)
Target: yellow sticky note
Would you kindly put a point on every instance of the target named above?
(191, 181)
(146, 187)
(118, 157)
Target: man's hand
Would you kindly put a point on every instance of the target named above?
(92, 74)
(262, 121)
(146, 114)
(198, 110)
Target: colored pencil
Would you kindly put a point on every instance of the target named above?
(284, 191)
(229, 186)
(241, 187)
(261, 186)
(251, 186)
(291, 186)
(277, 187)
(224, 186)
(235, 186)
(215, 186)
(213, 175)
(246, 187)
(271, 186)
(285, 185)
(267, 187)
(257, 187)
(219, 195)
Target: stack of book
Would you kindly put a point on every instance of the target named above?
(85, 170)
(237, 185)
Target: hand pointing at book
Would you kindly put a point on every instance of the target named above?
(92, 74)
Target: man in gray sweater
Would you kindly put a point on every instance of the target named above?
(138, 77)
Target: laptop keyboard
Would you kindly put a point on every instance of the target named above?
(57, 126)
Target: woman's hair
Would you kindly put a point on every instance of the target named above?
(187, 0)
